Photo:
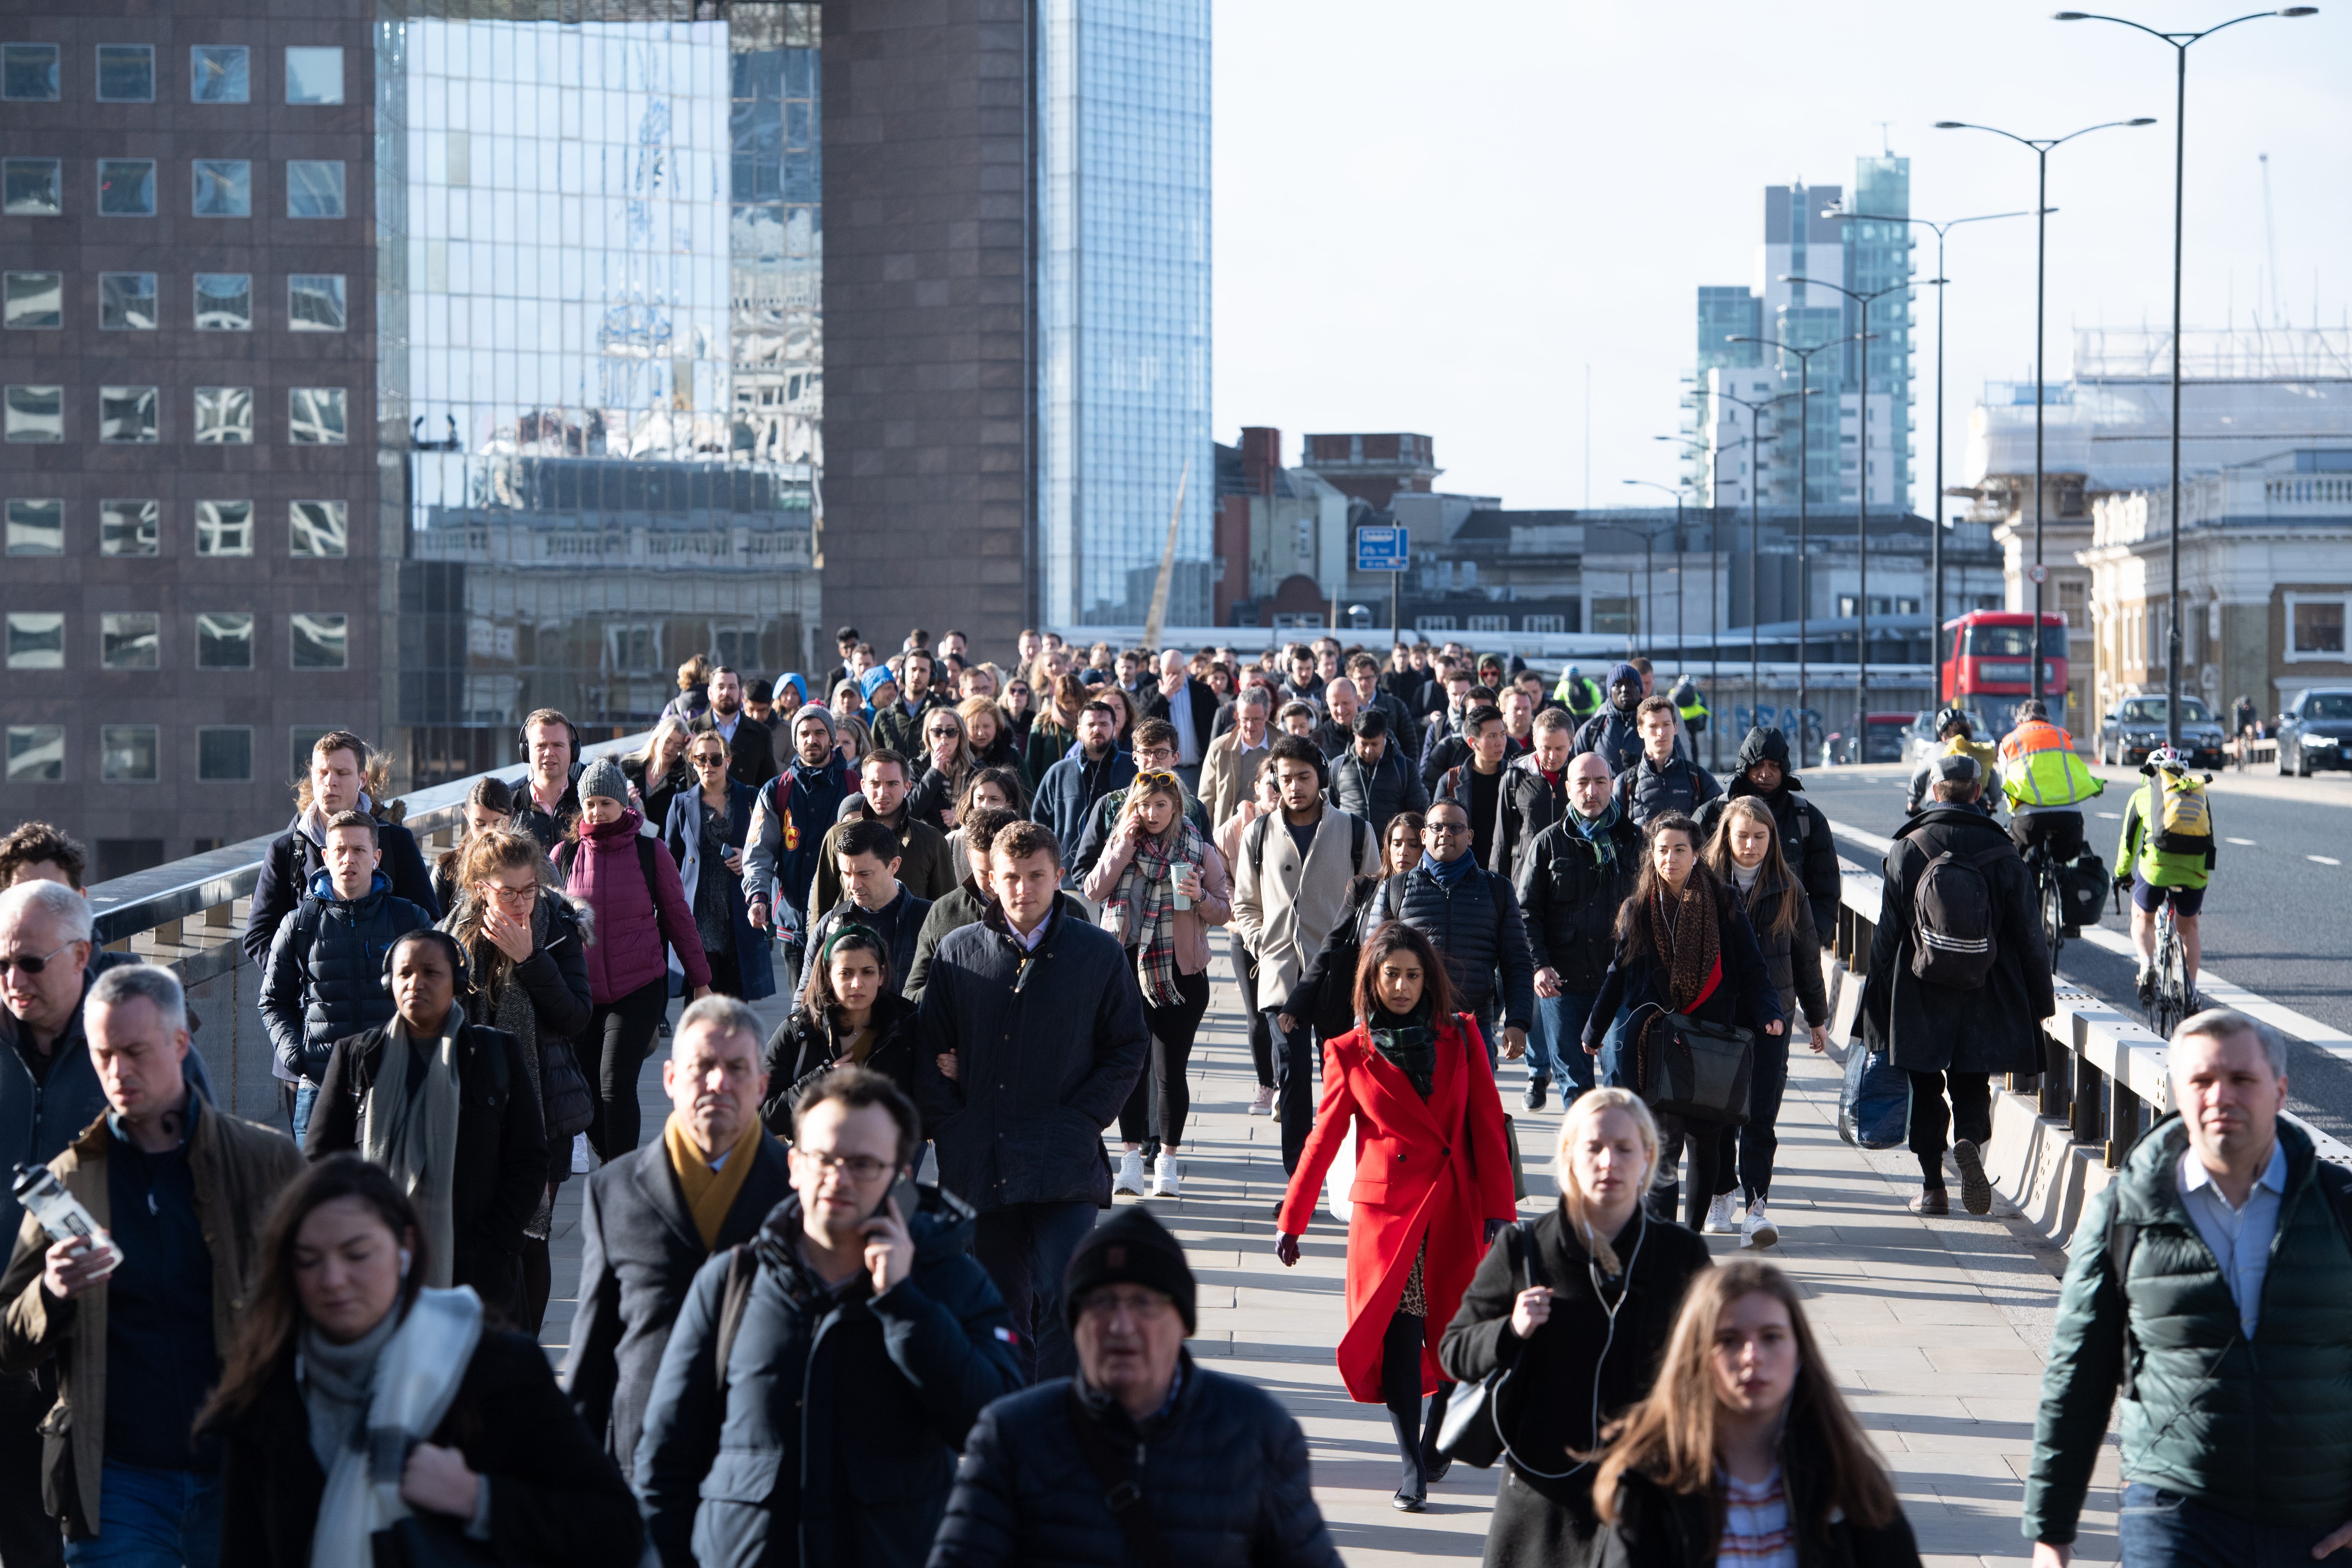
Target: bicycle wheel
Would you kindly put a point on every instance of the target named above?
(2171, 991)
(2053, 915)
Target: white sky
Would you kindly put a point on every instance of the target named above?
(1432, 217)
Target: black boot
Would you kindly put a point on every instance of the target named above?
(1433, 1465)
(1401, 1391)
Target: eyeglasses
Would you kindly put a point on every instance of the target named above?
(858, 1167)
(506, 895)
(1432, 829)
(31, 963)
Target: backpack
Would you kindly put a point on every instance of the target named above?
(1952, 919)
(2184, 824)
(1258, 830)
(568, 853)
(742, 1270)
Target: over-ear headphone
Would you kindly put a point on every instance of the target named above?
(523, 740)
(449, 944)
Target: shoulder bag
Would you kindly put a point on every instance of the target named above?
(1696, 1069)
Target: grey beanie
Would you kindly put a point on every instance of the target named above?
(604, 777)
(817, 711)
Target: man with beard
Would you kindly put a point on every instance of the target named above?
(751, 748)
(1067, 793)
(1612, 732)
(789, 818)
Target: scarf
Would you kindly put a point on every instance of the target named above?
(710, 1194)
(1447, 872)
(312, 823)
(414, 1136)
(1686, 946)
(501, 1003)
(1408, 1042)
(412, 1383)
(1599, 832)
(1145, 901)
(335, 1382)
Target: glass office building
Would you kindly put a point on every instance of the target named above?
(1123, 308)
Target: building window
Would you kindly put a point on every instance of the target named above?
(126, 302)
(1432, 622)
(225, 640)
(37, 527)
(1545, 625)
(219, 73)
(223, 528)
(36, 641)
(2315, 626)
(2074, 604)
(126, 73)
(314, 302)
(37, 414)
(320, 642)
(319, 528)
(126, 187)
(316, 416)
(29, 73)
(1490, 623)
(314, 75)
(130, 639)
(314, 188)
(225, 417)
(36, 302)
(224, 301)
(126, 414)
(223, 187)
(1617, 617)
(224, 754)
(126, 753)
(129, 527)
(31, 187)
(37, 753)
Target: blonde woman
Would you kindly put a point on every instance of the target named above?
(949, 761)
(1577, 1303)
(658, 775)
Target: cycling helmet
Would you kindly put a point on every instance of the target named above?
(1954, 713)
(2032, 708)
(2166, 759)
(1573, 672)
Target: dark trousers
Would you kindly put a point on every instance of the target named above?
(1970, 1116)
(1745, 1156)
(725, 974)
(27, 1534)
(1294, 1083)
(1173, 1030)
(622, 1032)
(1705, 1141)
(2061, 831)
(1261, 1026)
(1416, 1435)
(2160, 1528)
(1025, 1248)
(538, 1281)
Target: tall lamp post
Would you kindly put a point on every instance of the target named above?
(1755, 536)
(1714, 599)
(2042, 146)
(1675, 492)
(2179, 42)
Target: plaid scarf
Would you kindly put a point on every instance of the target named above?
(1688, 946)
(1599, 832)
(1145, 900)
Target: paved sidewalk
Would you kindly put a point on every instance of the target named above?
(1935, 1329)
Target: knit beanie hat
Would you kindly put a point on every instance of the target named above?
(1131, 1247)
(817, 711)
(604, 777)
(875, 681)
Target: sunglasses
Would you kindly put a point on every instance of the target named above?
(709, 760)
(31, 963)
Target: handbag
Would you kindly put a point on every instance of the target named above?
(563, 1094)
(429, 1540)
(1519, 1165)
(1698, 1070)
(1342, 1176)
(1874, 1102)
(1472, 1431)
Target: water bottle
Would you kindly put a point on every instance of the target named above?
(60, 1212)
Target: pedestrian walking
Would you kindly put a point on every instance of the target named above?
(1745, 1451)
(1612, 732)
(704, 835)
(1410, 1088)
(1535, 791)
(1665, 781)
(1371, 779)
(1033, 1036)
(1472, 917)
(1018, 702)
(1068, 794)
(1806, 842)
(751, 746)
(1577, 1304)
(1336, 733)
(1055, 727)
(1216, 1469)
(1683, 949)
(1577, 874)
(844, 643)
(1959, 978)
(968, 904)
(1154, 752)
(850, 1015)
(866, 856)
(789, 818)
(948, 763)
(1476, 784)
(925, 866)
(650, 1220)
(1264, 798)
(1163, 887)
(990, 789)
(341, 778)
(989, 732)
(40, 851)
(1233, 760)
(1364, 672)
(546, 803)
(1325, 997)
(659, 773)
(693, 699)
(489, 808)
(341, 1336)
(1188, 706)
(133, 1325)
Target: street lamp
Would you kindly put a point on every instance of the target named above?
(1756, 539)
(2179, 42)
(2042, 146)
(1713, 601)
(1677, 492)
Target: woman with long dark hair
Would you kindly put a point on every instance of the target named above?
(849, 1012)
(1744, 1451)
(705, 833)
(338, 1341)
(1684, 948)
(1433, 1183)
(1019, 705)
(1055, 727)
(489, 808)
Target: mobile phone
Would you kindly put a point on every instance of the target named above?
(909, 1198)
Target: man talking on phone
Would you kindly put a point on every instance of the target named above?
(845, 1352)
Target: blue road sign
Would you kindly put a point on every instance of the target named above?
(1381, 549)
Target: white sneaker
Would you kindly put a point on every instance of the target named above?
(1130, 1173)
(1261, 1102)
(1758, 1229)
(584, 1159)
(1164, 1181)
(1723, 1216)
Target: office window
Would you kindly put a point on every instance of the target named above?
(129, 527)
(2315, 627)
(219, 73)
(224, 301)
(126, 73)
(314, 188)
(320, 642)
(223, 187)
(37, 753)
(130, 639)
(223, 528)
(126, 414)
(314, 75)
(126, 302)
(126, 187)
(225, 417)
(37, 414)
(34, 301)
(224, 754)
(31, 187)
(37, 527)
(29, 72)
(316, 416)
(314, 302)
(225, 640)
(319, 528)
(36, 641)
(126, 753)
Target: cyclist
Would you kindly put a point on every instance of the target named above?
(1580, 692)
(1957, 733)
(2174, 808)
(2046, 782)
(2242, 720)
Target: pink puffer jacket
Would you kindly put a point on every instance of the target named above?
(631, 932)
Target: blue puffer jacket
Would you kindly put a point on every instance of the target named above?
(325, 978)
(1224, 1475)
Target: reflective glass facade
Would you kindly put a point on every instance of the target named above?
(1123, 308)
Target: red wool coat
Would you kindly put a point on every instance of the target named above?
(1435, 1169)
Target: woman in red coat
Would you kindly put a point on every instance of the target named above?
(1433, 1182)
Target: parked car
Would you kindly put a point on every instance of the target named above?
(2136, 725)
(2316, 732)
(1882, 741)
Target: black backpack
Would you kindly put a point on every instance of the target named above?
(1952, 919)
(1258, 829)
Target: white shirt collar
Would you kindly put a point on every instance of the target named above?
(2193, 1173)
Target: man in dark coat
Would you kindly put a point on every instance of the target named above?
(1806, 842)
(1031, 1036)
(925, 866)
(1535, 790)
(338, 782)
(750, 745)
(1950, 1037)
(789, 818)
(1472, 917)
(643, 1237)
(1612, 732)
(1068, 794)
(968, 905)
(1371, 779)
(1575, 877)
(1665, 780)
(1189, 707)
(866, 856)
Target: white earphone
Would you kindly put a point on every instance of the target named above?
(406, 1257)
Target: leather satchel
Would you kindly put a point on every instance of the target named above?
(564, 1091)
(429, 1540)
(1698, 1070)
(1472, 1431)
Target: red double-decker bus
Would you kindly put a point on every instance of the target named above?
(1988, 666)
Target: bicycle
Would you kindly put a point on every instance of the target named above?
(2049, 897)
(2167, 1001)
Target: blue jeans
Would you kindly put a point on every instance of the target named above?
(2160, 1528)
(298, 1107)
(1025, 1248)
(153, 1519)
(1556, 1044)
